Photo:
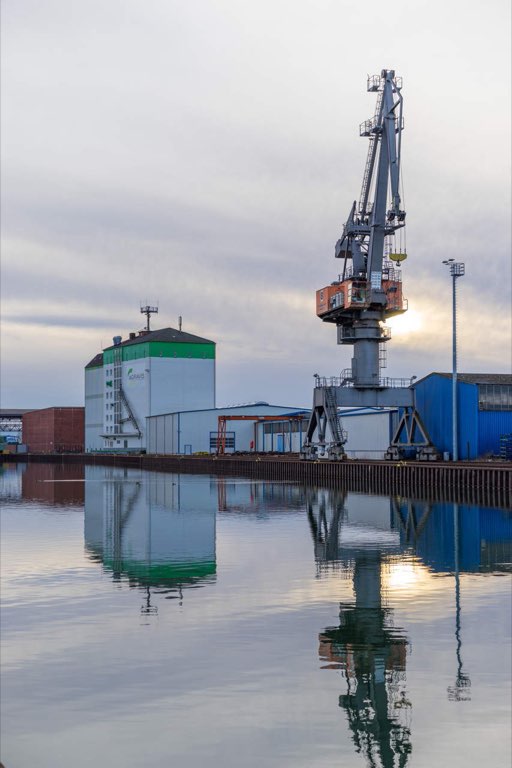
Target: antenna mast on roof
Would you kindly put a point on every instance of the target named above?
(148, 311)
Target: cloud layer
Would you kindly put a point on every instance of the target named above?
(204, 155)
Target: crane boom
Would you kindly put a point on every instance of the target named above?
(369, 289)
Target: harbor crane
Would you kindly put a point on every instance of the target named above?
(368, 291)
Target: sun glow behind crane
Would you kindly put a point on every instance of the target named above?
(406, 325)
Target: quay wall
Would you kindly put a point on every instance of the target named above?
(480, 483)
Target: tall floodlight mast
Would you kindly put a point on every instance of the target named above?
(369, 289)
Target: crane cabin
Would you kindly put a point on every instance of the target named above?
(349, 294)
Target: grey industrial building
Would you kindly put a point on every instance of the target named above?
(198, 431)
(148, 373)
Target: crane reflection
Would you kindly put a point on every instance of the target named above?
(366, 539)
(366, 647)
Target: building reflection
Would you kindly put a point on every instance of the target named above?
(448, 537)
(363, 537)
(150, 530)
(157, 531)
(257, 498)
(54, 484)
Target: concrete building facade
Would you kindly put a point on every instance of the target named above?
(149, 373)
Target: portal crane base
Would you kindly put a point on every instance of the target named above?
(410, 439)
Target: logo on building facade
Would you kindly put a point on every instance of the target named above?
(135, 375)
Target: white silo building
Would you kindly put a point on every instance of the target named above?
(149, 373)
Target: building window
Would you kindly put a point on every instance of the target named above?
(495, 397)
(230, 441)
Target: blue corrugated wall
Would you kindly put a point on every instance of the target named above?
(492, 424)
(468, 420)
(433, 401)
(479, 431)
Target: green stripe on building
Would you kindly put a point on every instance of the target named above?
(161, 573)
(161, 349)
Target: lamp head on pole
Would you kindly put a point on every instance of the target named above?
(457, 268)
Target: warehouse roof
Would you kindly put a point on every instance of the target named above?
(171, 335)
(251, 407)
(474, 378)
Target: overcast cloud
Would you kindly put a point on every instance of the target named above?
(205, 154)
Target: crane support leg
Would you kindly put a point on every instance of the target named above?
(411, 439)
(324, 415)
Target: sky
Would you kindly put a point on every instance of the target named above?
(203, 156)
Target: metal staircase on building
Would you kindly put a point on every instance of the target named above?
(120, 399)
(131, 415)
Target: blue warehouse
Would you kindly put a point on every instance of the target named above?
(484, 412)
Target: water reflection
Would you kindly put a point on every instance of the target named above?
(258, 499)
(231, 676)
(366, 647)
(55, 484)
(460, 690)
(449, 537)
(154, 531)
(363, 537)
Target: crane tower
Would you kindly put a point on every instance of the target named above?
(368, 289)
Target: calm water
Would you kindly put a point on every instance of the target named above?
(179, 620)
